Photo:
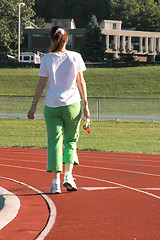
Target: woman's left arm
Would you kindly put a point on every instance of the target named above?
(39, 89)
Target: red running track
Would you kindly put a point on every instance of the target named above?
(118, 197)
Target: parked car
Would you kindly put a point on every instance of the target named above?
(29, 57)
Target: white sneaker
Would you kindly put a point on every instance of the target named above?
(55, 188)
(69, 183)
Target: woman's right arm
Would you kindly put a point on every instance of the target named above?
(40, 87)
(83, 90)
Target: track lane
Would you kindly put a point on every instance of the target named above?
(29, 222)
(115, 213)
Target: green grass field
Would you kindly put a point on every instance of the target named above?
(107, 135)
(136, 82)
(146, 107)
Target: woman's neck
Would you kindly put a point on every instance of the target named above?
(62, 50)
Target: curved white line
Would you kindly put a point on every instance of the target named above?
(11, 207)
(97, 179)
(52, 207)
(118, 184)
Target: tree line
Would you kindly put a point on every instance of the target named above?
(142, 14)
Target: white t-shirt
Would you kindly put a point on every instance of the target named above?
(61, 70)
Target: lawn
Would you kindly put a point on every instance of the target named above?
(131, 82)
(106, 135)
(148, 107)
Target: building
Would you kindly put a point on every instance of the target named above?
(129, 41)
(118, 41)
(38, 39)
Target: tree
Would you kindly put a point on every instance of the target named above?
(9, 23)
(126, 11)
(80, 10)
(40, 22)
(142, 14)
(149, 18)
(85, 9)
(93, 47)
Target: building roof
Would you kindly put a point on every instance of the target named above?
(66, 23)
(112, 21)
(32, 26)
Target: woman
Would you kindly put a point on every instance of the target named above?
(62, 112)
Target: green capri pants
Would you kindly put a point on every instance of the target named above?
(62, 124)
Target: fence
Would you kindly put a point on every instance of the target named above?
(117, 108)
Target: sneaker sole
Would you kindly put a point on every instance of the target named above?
(69, 187)
(55, 192)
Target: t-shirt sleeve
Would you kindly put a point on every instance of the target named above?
(43, 72)
(80, 65)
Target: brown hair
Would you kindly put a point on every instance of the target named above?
(58, 37)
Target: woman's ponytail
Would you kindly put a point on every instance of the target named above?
(58, 36)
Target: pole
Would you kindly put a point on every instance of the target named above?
(99, 109)
(19, 25)
(19, 29)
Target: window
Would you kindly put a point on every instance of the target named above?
(26, 58)
(79, 39)
(114, 25)
(69, 44)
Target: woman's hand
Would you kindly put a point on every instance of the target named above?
(31, 112)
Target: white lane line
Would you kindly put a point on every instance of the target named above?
(109, 188)
(24, 151)
(103, 168)
(35, 169)
(22, 160)
(97, 179)
(110, 160)
(154, 189)
(122, 157)
(11, 207)
(121, 170)
(43, 161)
(97, 188)
(118, 184)
(51, 205)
